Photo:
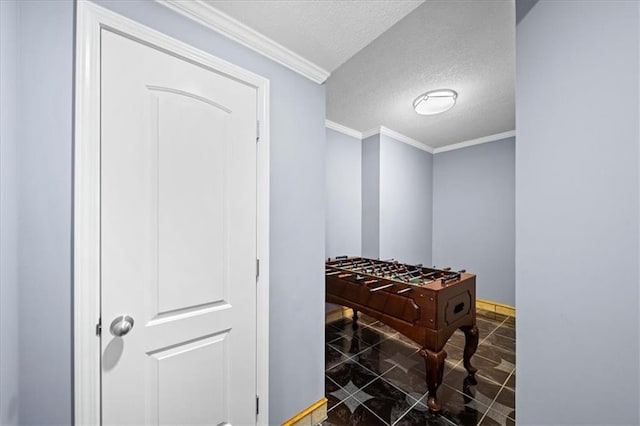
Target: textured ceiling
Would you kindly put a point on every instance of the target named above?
(326, 32)
(467, 46)
(383, 54)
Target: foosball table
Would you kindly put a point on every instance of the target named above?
(425, 304)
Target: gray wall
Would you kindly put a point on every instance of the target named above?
(406, 193)
(474, 215)
(397, 184)
(397, 193)
(45, 173)
(371, 197)
(344, 195)
(297, 211)
(577, 213)
(8, 213)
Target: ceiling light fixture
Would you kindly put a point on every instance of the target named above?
(435, 102)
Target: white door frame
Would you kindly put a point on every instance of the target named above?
(91, 19)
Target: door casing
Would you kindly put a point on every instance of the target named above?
(90, 20)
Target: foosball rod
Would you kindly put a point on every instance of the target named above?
(382, 287)
(451, 277)
(353, 265)
(363, 265)
(346, 262)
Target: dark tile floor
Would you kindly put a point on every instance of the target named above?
(375, 376)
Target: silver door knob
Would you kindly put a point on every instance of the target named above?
(121, 325)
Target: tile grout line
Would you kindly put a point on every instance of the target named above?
(496, 397)
(403, 391)
(351, 356)
(327, 377)
(353, 395)
(368, 409)
(339, 402)
(409, 409)
(499, 327)
(484, 377)
(386, 336)
(493, 331)
(377, 376)
(416, 403)
(475, 354)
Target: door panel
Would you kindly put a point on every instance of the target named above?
(178, 225)
(192, 221)
(191, 376)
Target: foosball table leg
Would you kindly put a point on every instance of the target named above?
(471, 344)
(355, 319)
(434, 363)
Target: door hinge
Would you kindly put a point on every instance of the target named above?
(99, 327)
(257, 130)
(257, 405)
(257, 268)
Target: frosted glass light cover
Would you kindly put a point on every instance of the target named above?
(435, 102)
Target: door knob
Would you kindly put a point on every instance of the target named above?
(121, 325)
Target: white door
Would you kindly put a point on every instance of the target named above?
(178, 240)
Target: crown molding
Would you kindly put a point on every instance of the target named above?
(415, 143)
(207, 15)
(343, 129)
(472, 142)
(370, 132)
(397, 136)
(405, 139)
